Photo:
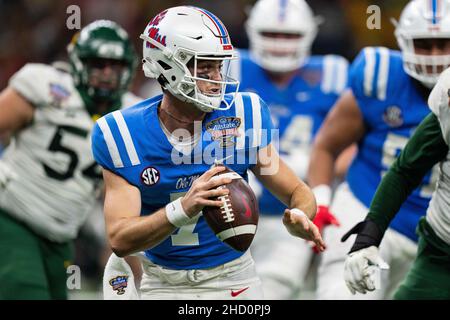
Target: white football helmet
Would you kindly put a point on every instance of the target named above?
(293, 17)
(176, 36)
(423, 19)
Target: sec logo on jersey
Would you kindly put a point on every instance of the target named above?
(150, 176)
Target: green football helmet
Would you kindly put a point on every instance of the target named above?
(103, 62)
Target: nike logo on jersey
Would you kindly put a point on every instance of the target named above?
(236, 293)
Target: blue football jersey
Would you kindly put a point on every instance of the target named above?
(392, 107)
(297, 110)
(132, 144)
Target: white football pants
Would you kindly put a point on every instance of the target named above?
(236, 279)
(396, 249)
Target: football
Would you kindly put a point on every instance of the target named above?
(236, 221)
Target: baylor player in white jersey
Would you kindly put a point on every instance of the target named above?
(429, 277)
(48, 177)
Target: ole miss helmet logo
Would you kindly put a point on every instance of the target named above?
(153, 31)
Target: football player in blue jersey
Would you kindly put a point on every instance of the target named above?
(385, 103)
(299, 90)
(158, 157)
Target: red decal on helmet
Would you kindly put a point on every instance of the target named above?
(156, 20)
(154, 34)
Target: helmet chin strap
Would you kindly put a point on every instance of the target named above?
(213, 101)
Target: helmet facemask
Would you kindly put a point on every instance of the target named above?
(423, 35)
(103, 61)
(280, 51)
(281, 34)
(420, 65)
(198, 80)
(176, 77)
(104, 78)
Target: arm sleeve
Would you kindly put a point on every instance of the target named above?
(425, 148)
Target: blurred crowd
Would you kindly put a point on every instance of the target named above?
(35, 31)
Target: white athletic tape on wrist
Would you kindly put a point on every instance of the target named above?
(231, 175)
(323, 195)
(175, 213)
(298, 212)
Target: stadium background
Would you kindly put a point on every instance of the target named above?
(35, 31)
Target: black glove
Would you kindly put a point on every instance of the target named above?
(368, 234)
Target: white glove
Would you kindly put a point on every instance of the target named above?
(6, 174)
(362, 270)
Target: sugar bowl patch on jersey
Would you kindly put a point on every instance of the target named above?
(119, 284)
(131, 143)
(224, 130)
(53, 88)
(59, 93)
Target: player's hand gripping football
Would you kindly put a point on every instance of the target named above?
(203, 189)
(299, 225)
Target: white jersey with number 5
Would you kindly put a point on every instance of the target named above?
(53, 176)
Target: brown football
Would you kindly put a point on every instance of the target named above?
(235, 222)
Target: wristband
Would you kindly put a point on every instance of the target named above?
(368, 234)
(323, 195)
(175, 213)
(298, 212)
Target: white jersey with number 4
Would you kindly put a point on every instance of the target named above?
(53, 177)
